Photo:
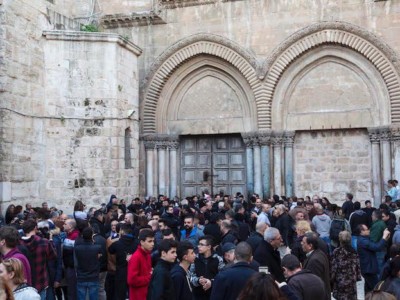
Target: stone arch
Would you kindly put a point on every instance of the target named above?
(183, 109)
(382, 57)
(182, 51)
(330, 87)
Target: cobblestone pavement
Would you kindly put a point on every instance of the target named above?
(360, 290)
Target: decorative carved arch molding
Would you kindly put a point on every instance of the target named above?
(186, 49)
(206, 95)
(382, 57)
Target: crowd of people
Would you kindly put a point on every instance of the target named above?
(202, 247)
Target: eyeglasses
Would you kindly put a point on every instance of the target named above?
(203, 245)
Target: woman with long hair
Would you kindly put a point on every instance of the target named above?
(302, 227)
(10, 213)
(79, 211)
(345, 269)
(12, 272)
(261, 286)
(5, 291)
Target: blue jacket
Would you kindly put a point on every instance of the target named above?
(229, 283)
(367, 253)
(194, 236)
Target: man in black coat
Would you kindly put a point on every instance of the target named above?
(348, 206)
(257, 236)
(229, 283)
(303, 283)
(317, 262)
(122, 249)
(267, 254)
(179, 272)
(161, 284)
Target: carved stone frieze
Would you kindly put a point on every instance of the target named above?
(132, 20)
(184, 3)
(154, 141)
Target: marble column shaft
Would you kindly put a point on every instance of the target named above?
(288, 141)
(376, 174)
(249, 169)
(149, 170)
(257, 170)
(386, 156)
(277, 148)
(161, 169)
(173, 174)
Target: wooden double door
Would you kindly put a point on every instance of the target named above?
(214, 164)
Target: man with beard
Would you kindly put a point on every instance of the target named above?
(191, 232)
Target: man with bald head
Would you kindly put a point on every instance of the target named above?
(256, 237)
(229, 283)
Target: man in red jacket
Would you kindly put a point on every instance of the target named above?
(139, 266)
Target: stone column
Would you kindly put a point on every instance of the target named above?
(277, 148)
(395, 142)
(288, 142)
(265, 142)
(376, 173)
(161, 146)
(385, 155)
(257, 168)
(173, 171)
(150, 148)
(249, 163)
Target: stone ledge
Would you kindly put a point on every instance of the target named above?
(185, 3)
(80, 36)
(134, 19)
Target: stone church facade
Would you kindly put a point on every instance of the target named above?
(176, 97)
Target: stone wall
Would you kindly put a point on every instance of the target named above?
(67, 99)
(22, 97)
(333, 162)
(261, 26)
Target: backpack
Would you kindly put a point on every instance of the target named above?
(337, 226)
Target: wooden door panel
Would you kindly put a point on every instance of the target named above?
(213, 163)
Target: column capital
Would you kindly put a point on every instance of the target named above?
(264, 138)
(149, 142)
(374, 135)
(250, 139)
(380, 134)
(288, 138)
(277, 138)
(158, 141)
(395, 134)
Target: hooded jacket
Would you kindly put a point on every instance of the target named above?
(322, 224)
(356, 218)
(182, 287)
(396, 236)
(161, 285)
